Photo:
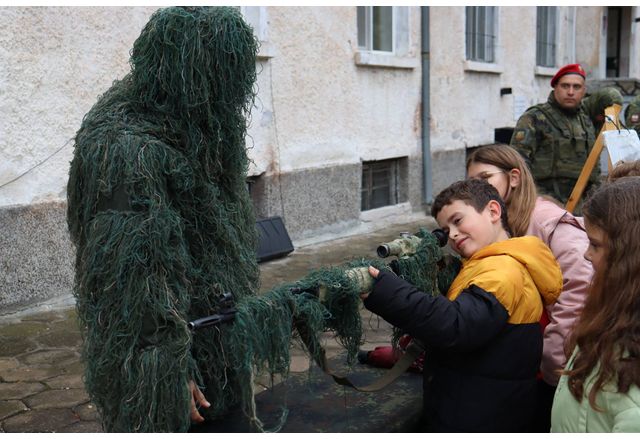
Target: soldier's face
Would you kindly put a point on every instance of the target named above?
(569, 91)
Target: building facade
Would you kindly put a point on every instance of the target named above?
(361, 112)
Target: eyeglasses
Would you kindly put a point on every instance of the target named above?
(487, 175)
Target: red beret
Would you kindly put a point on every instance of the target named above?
(575, 69)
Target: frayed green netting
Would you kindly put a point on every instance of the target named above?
(427, 268)
(163, 227)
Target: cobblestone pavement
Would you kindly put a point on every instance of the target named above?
(41, 388)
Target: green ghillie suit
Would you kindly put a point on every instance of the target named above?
(163, 228)
(162, 221)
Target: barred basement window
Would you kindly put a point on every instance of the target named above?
(546, 35)
(379, 184)
(481, 33)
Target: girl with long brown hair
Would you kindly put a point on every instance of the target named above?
(541, 216)
(600, 389)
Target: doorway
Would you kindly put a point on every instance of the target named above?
(618, 41)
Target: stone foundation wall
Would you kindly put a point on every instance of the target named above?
(36, 255)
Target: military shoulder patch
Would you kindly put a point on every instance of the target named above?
(635, 118)
(519, 136)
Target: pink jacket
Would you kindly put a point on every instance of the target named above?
(566, 237)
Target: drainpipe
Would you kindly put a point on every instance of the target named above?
(426, 133)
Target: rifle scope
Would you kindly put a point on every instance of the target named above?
(408, 244)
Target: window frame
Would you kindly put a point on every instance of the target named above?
(551, 22)
(399, 57)
(366, 190)
(473, 57)
(369, 30)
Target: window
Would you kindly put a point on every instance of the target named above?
(383, 37)
(375, 28)
(481, 33)
(546, 36)
(379, 183)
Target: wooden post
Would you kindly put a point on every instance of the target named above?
(611, 123)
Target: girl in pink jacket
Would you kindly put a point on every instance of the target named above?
(530, 214)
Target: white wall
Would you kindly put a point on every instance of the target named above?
(54, 62)
(317, 108)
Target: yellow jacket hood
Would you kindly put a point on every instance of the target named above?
(518, 271)
(536, 257)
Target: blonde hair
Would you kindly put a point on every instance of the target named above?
(523, 197)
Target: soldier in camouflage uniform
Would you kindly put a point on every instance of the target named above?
(632, 115)
(556, 137)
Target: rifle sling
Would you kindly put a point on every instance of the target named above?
(412, 352)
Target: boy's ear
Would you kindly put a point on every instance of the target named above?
(495, 210)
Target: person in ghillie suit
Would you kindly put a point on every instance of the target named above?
(162, 222)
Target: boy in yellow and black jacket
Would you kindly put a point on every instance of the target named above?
(483, 340)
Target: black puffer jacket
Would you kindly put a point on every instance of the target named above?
(483, 347)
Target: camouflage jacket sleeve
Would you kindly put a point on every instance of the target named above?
(595, 104)
(525, 136)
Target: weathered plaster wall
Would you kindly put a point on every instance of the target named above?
(317, 116)
(589, 44)
(466, 104)
(55, 61)
(318, 108)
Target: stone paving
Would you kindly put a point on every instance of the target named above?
(41, 388)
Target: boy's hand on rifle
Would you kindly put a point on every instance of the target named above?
(197, 399)
(373, 271)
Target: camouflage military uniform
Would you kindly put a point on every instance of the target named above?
(595, 104)
(632, 115)
(555, 142)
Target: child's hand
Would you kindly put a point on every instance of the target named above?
(373, 271)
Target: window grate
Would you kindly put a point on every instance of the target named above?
(379, 184)
(546, 19)
(481, 33)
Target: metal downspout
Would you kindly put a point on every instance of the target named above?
(426, 132)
